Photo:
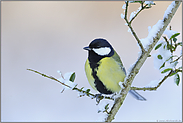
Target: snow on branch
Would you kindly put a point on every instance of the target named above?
(130, 27)
(154, 85)
(156, 34)
(67, 82)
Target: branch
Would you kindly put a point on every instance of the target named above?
(153, 88)
(136, 37)
(142, 8)
(176, 59)
(129, 25)
(126, 11)
(50, 77)
(99, 97)
(140, 61)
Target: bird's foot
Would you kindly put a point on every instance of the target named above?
(98, 98)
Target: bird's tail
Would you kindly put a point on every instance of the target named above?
(137, 95)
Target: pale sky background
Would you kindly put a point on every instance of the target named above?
(50, 36)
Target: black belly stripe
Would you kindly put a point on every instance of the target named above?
(98, 84)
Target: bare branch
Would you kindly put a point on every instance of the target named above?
(140, 61)
(136, 37)
(126, 11)
(50, 77)
(142, 8)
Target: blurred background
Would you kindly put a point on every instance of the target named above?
(50, 35)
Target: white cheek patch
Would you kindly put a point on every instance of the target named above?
(102, 51)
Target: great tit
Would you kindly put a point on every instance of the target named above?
(104, 69)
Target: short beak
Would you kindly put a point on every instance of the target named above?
(87, 48)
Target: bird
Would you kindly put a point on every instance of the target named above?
(104, 68)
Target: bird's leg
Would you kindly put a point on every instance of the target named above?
(98, 98)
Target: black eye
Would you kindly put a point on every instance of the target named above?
(97, 46)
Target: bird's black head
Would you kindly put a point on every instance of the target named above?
(98, 49)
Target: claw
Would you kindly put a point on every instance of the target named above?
(98, 98)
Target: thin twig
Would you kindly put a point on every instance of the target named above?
(133, 32)
(176, 59)
(80, 90)
(50, 77)
(136, 37)
(153, 88)
(142, 8)
(126, 11)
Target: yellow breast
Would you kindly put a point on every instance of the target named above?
(110, 73)
(89, 76)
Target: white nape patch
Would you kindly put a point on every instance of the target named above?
(102, 51)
